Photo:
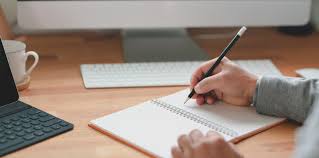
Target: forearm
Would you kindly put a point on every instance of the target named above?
(285, 97)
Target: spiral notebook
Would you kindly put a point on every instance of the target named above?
(154, 126)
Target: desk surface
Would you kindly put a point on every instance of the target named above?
(58, 89)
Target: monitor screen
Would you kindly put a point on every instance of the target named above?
(8, 91)
(159, 14)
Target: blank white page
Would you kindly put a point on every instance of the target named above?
(309, 73)
(148, 127)
(155, 129)
(239, 119)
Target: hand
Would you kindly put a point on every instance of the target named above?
(196, 145)
(228, 83)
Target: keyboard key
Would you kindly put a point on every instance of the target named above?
(33, 111)
(30, 130)
(37, 127)
(64, 124)
(34, 117)
(38, 133)
(17, 123)
(26, 125)
(29, 137)
(8, 132)
(45, 119)
(3, 141)
(23, 116)
(11, 143)
(15, 119)
(20, 134)
(47, 130)
(1, 135)
(25, 120)
(8, 126)
(42, 114)
(17, 129)
(51, 122)
(35, 122)
(56, 127)
(1, 129)
(6, 122)
(11, 137)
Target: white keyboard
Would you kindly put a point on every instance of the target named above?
(156, 73)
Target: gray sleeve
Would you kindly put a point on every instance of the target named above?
(285, 97)
(307, 138)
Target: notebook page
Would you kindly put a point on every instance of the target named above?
(308, 73)
(239, 119)
(149, 127)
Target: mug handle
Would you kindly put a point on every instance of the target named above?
(36, 60)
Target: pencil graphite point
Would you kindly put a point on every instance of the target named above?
(186, 100)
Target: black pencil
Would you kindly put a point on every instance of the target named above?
(220, 58)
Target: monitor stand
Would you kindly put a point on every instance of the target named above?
(160, 45)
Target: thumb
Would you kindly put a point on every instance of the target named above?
(208, 84)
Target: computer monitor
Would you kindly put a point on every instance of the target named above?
(160, 19)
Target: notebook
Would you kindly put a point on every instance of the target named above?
(309, 73)
(154, 126)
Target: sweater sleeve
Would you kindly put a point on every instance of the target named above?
(285, 97)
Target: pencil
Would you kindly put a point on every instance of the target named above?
(220, 58)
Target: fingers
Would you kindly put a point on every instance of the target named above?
(196, 145)
(184, 143)
(195, 135)
(196, 77)
(199, 73)
(195, 96)
(200, 100)
(209, 84)
(215, 138)
(207, 65)
(185, 148)
(213, 134)
(210, 100)
(177, 152)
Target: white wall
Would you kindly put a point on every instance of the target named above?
(10, 9)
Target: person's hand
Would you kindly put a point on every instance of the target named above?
(228, 83)
(196, 145)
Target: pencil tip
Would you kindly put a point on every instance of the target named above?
(186, 101)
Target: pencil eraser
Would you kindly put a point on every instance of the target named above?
(242, 31)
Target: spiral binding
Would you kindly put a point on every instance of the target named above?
(214, 126)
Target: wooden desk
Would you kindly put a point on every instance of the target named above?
(58, 89)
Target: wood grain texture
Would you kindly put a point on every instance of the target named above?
(57, 88)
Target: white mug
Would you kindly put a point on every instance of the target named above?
(17, 58)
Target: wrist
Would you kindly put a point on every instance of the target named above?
(252, 88)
